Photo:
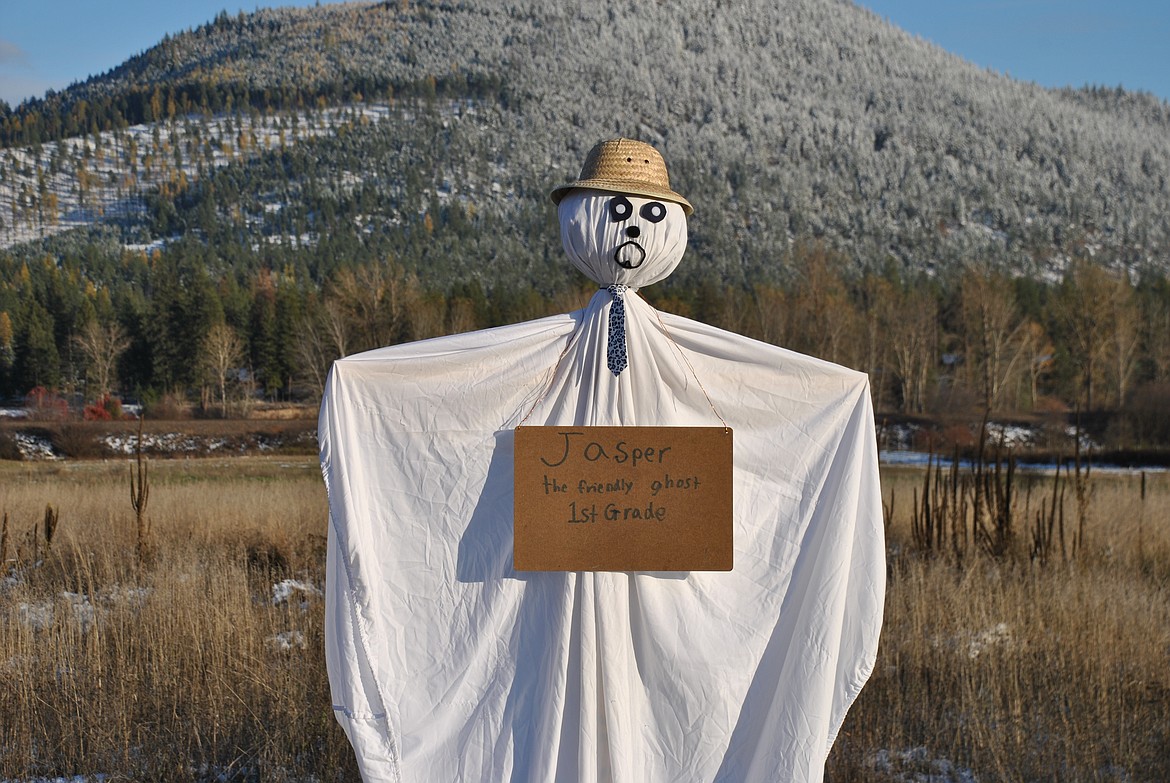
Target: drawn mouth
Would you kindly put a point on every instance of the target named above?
(629, 255)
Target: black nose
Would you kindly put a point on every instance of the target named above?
(633, 232)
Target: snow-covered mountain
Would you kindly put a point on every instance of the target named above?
(781, 121)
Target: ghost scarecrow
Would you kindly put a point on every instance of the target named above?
(446, 663)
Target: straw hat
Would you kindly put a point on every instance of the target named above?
(625, 166)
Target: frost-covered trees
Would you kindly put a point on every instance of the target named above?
(803, 119)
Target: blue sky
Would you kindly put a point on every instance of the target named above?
(1055, 43)
(52, 43)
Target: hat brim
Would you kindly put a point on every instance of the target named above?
(623, 186)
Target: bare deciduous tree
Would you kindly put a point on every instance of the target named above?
(460, 315)
(1155, 319)
(875, 293)
(821, 312)
(427, 316)
(1086, 314)
(373, 302)
(101, 345)
(992, 332)
(767, 316)
(316, 346)
(1038, 353)
(223, 351)
(910, 322)
(1124, 335)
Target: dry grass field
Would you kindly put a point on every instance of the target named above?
(202, 659)
(1015, 668)
(204, 662)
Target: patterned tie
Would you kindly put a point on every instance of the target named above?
(616, 349)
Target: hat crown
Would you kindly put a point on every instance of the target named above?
(626, 160)
(625, 166)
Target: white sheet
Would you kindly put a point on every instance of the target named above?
(447, 665)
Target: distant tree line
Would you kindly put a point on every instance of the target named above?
(178, 322)
(185, 322)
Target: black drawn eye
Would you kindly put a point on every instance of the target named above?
(654, 211)
(620, 209)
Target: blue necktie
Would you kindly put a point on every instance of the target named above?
(616, 349)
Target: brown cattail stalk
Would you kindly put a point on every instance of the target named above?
(4, 543)
(51, 519)
(139, 494)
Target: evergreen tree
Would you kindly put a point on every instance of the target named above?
(37, 361)
(289, 313)
(264, 348)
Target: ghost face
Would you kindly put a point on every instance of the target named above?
(630, 254)
(621, 237)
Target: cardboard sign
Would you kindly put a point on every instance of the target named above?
(622, 499)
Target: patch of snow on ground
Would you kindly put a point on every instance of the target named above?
(83, 611)
(133, 597)
(998, 635)
(898, 437)
(916, 766)
(39, 616)
(972, 644)
(13, 413)
(1010, 435)
(1087, 443)
(283, 591)
(214, 444)
(34, 446)
(127, 443)
(148, 248)
(286, 641)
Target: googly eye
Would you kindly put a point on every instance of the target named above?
(620, 209)
(653, 211)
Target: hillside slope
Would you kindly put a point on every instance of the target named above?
(780, 120)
